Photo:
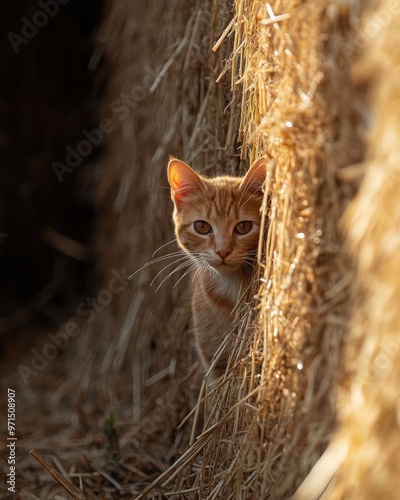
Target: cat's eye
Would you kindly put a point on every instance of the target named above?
(202, 227)
(243, 227)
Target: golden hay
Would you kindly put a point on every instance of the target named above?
(290, 99)
(367, 447)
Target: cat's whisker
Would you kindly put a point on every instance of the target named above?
(252, 183)
(249, 267)
(184, 257)
(163, 257)
(193, 266)
(158, 259)
(202, 265)
(181, 266)
(252, 195)
(248, 262)
(162, 246)
(247, 187)
(210, 269)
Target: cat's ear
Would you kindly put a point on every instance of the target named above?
(255, 177)
(182, 179)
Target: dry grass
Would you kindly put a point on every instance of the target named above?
(369, 435)
(284, 90)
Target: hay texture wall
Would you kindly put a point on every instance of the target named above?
(363, 460)
(219, 85)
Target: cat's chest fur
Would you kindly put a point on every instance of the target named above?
(226, 287)
(214, 298)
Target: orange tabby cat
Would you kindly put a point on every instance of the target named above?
(217, 223)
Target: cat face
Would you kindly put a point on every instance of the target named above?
(217, 221)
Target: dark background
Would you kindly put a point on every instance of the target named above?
(49, 92)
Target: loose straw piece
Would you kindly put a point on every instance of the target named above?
(224, 34)
(322, 473)
(68, 486)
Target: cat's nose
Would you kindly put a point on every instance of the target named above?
(223, 253)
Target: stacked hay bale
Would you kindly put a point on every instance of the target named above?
(369, 437)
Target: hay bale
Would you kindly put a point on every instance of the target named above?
(275, 409)
(370, 434)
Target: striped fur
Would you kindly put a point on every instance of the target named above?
(223, 258)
